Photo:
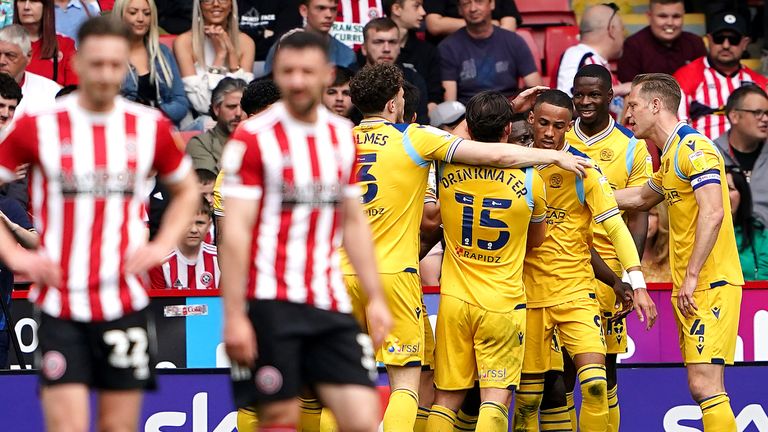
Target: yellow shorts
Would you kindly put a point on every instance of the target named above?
(556, 363)
(579, 327)
(615, 331)
(429, 339)
(710, 336)
(404, 346)
(475, 344)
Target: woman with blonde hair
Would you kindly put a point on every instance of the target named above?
(213, 49)
(51, 52)
(153, 78)
(656, 255)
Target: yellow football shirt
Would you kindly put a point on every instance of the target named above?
(559, 270)
(218, 200)
(393, 165)
(689, 161)
(486, 212)
(623, 159)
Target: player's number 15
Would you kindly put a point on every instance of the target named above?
(486, 221)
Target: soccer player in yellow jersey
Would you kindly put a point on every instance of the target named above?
(704, 260)
(480, 330)
(559, 281)
(393, 164)
(625, 162)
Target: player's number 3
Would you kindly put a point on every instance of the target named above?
(486, 221)
(366, 161)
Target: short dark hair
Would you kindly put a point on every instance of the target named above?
(378, 24)
(488, 113)
(665, 2)
(374, 85)
(300, 39)
(343, 76)
(595, 71)
(259, 95)
(738, 95)
(522, 116)
(388, 4)
(412, 96)
(205, 176)
(9, 88)
(556, 98)
(307, 2)
(205, 208)
(662, 86)
(102, 26)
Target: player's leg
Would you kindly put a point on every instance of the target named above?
(582, 335)
(340, 397)
(455, 367)
(553, 412)
(119, 410)
(569, 380)
(65, 407)
(708, 343)
(466, 417)
(247, 419)
(403, 350)
(615, 341)
(537, 360)
(614, 413)
(499, 349)
(427, 382)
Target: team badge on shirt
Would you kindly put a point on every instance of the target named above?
(206, 279)
(606, 155)
(556, 181)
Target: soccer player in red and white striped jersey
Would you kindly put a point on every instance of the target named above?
(194, 264)
(91, 154)
(707, 81)
(289, 183)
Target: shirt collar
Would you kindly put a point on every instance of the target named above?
(672, 136)
(598, 136)
(709, 66)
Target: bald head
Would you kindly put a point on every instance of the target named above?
(595, 19)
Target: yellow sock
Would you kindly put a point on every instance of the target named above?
(555, 419)
(441, 419)
(527, 400)
(572, 411)
(327, 421)
(465, 422)
(718, 416)
(247, 420)
(614, 415)
(422, 415)
(400, 415)
(593, 416)
(309, 419)
(493, 417)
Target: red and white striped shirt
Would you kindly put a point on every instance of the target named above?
(706, 90)
(88, 184)
(179, 272)
(352, 16)
(299, 174)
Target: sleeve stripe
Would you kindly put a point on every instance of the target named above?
(241, 191)
(538, 219)
(452, 149)
(428, 200)
(655, 188)
(701, 181)
(605, 215)
(705, 173)
(175, 176)
(411, 151)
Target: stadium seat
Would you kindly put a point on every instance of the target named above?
(557, 40)
(527, 36)
(167, 40)
(544, 13)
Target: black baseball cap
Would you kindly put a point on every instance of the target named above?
(727, 21)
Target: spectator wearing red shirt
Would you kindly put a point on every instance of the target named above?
(51, 53)
(662, 46)
(707, 82)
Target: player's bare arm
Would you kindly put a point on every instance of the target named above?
(637, 222)
(537, 232)
(430, 219)
(641, 198)
(28, 239)
(710, 200)
(38, 268)
(239, 336)
(512, 156)
(174, 225)
(358, 244)
(623, 290)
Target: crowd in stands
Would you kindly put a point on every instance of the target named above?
(205, 64)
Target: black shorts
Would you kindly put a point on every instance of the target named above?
(111, 355)
(300, 346)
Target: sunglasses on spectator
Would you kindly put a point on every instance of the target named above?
(756, 112)
(733, 39)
